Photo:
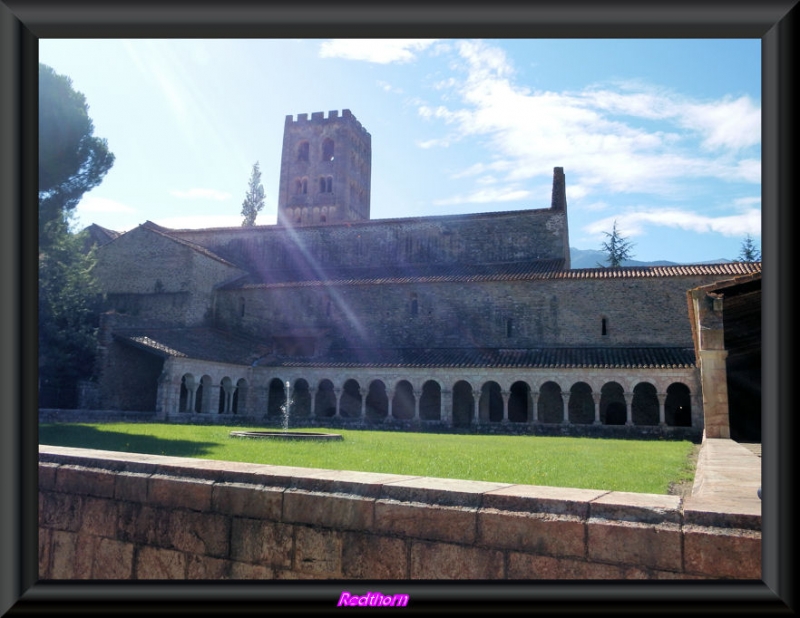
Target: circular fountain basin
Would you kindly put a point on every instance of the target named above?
(287, 435)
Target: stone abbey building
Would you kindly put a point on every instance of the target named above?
(462, 322)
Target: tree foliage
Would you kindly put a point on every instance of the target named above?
(254, 198)
(617, 248)
(69, 307)
(71, 160)
(749, 252)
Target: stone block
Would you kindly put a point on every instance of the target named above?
(85, 481)
(448, 492)
(206, 534)
(203, 567)
(643, 508)
(47, 475)
(61, 511)
(426, 521)
(112, 560)
(144, 525)
(447, 561)
(529, 566)
(628, 543)
(157, 563)
(131, 486)
(327, 510)
(99, 517)
(541, 499)
(169, 491)
(365, 556)
(538, 533)
(45, 540)
(244, 500)
(244, 570)
(734, 554)
(260, 542)
(318, 552)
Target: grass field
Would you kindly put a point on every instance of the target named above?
(647, 466)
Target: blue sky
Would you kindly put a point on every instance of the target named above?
(662, 136)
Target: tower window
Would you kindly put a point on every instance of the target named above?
(241, 307)
(509, 327)
(604, 327)
(414, 305)
(302, 151)
(327, 150)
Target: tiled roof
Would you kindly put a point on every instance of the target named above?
(200, 343)
(566, 357)
(467, 273)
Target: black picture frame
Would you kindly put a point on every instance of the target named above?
(24, 22)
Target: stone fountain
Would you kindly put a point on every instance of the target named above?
(285, 434)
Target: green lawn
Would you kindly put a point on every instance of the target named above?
(646, 466)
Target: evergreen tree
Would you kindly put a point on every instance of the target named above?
(254, 199)
(69, 310)
(617, 248)
(749, 252)
(71, 160)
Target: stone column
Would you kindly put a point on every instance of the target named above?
(662, 400)
(596, 397)
(505, 395)
(389, 397)
(534, 406)
(446, 406)
(628, 408)
(338, 393)
(565, 401)
(476, 398)
(417, 396)
(363, 402)
(713, 374)
(312, 411)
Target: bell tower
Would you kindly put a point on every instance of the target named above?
(325, 170)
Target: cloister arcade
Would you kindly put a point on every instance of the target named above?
(668, 398)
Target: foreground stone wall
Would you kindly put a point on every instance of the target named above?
(105, 515)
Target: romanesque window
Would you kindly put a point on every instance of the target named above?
(327, 149)
(241, 307)
(326, 184)
(604, 327)
(414, 305)
(509, 327)
(302, 151)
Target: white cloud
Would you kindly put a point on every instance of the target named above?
(634, 139)
(485, 196)
(380, 51)
(633, 223)
(102, 204)
(202, 194)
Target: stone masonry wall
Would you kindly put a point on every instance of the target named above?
(105, 515)
(646, 311)
(466, 239)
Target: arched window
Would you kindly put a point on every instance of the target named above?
(604, 326)
(302, 151)
(327, 149)
(241, 307)
(509, 327)
(414, 305)
(329, 184)
(321, 184)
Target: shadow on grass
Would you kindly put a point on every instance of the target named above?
(91, 437)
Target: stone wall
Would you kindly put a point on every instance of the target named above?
(553, 312)
(105, 515)
(466, 239)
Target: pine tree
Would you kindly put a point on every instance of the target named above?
(617, 248)
(254, 199)
(749, 252)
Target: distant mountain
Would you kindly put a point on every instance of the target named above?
(592, 258)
